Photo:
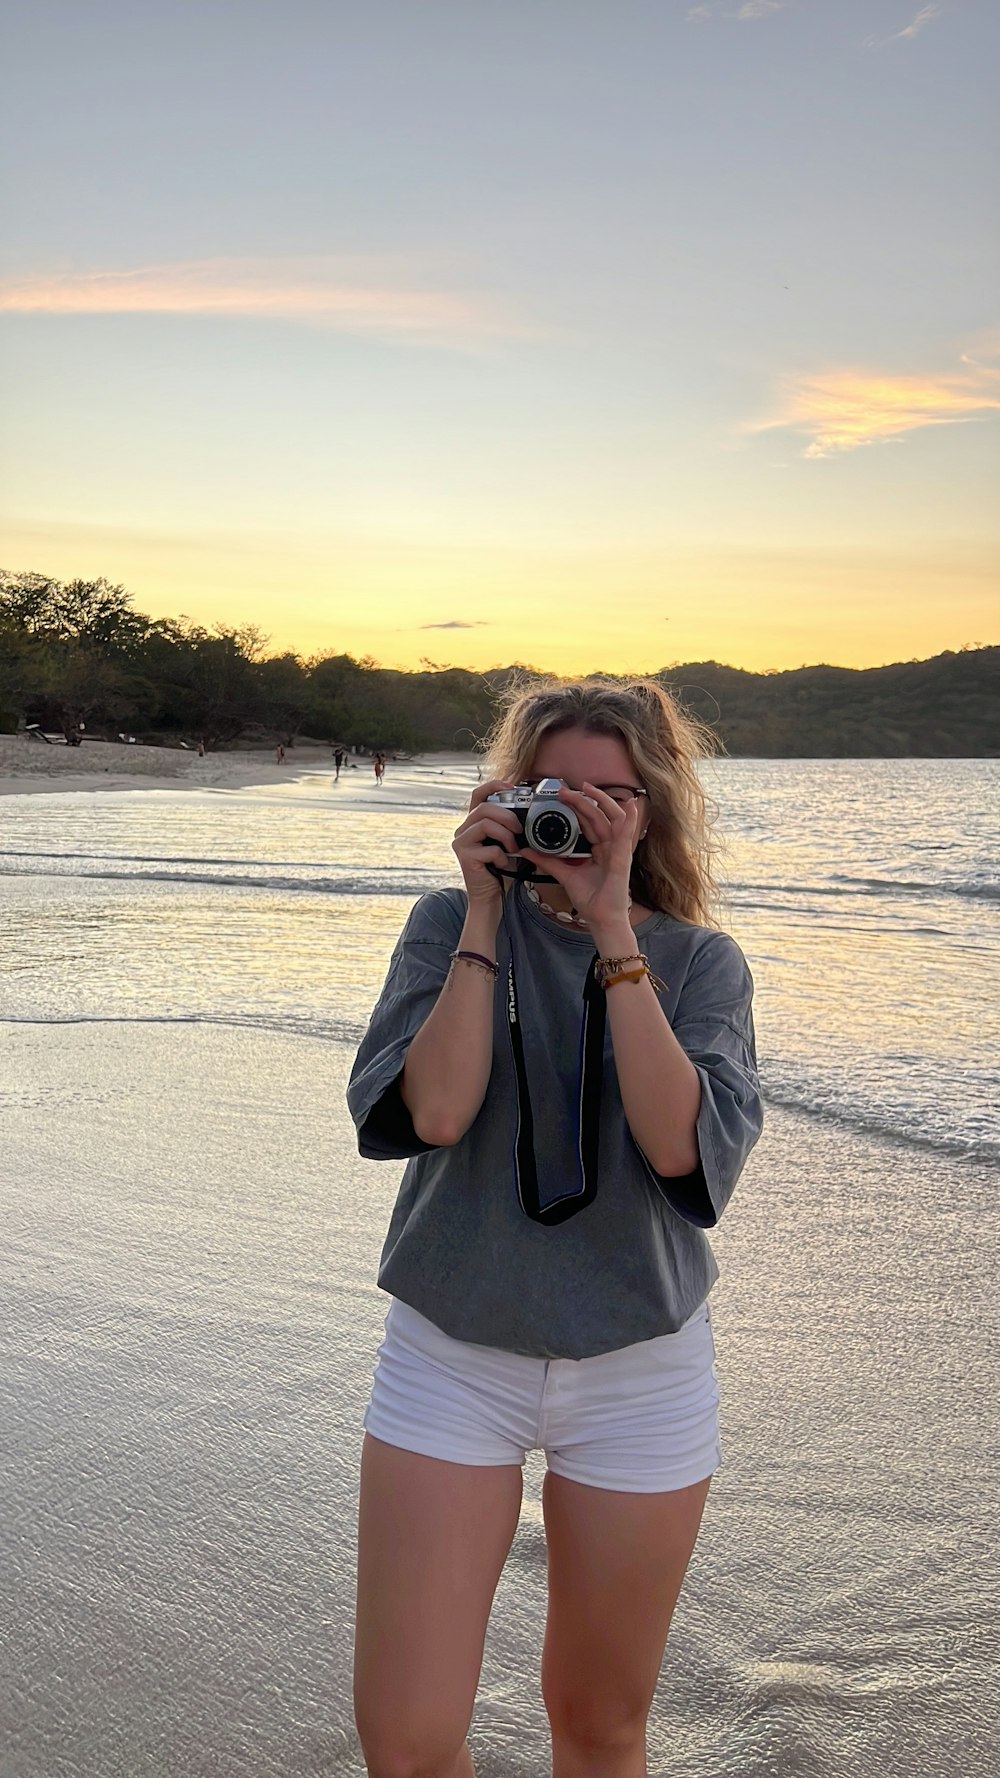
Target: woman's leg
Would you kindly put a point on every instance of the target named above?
(616, 1564)
(432, 1541)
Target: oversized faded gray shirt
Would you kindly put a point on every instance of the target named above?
(635, 1262)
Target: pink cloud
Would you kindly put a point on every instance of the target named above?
(843, 409)
(315, 293)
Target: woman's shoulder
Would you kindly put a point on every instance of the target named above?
(438, 916)
(706, 943)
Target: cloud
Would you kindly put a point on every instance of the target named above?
(923, 18)
(983, 354)
(457, 623)
(315, 292)
(843, 409)
(750, 9)
(913, 29)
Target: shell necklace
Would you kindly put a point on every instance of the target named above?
(570, 919)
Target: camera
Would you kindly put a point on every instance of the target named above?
(548, 824)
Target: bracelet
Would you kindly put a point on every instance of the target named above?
(613, 969)
(474, 957)
(605, 965)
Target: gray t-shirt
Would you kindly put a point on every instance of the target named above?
(633, 1262)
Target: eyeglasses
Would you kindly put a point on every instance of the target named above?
(619, 793)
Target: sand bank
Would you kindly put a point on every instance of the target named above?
(29, 766)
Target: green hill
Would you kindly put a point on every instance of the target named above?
(79, 652)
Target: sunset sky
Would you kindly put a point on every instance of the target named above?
(586, 333)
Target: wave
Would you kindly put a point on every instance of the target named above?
(288, 1025)
(259, 873)
(751, 894)
(155, 858)
(897, 886)
(885, 886)
(872, 1124)
(350, 1032)
(326, 885)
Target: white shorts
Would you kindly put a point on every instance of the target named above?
(641, 1420)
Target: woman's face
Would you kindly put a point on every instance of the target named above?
(576, 756)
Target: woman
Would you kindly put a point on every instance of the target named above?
(570, 1065)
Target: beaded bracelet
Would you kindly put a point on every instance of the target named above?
(474, 957)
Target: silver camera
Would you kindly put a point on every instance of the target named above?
(548, 824)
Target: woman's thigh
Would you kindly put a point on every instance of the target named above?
(616, 1566)
(433, 1537)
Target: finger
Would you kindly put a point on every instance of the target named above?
(611, 809)
(618, 814)
(622, 817)
(482, 791)
(478, 830)
(506, 817)
(553, 867)
(490, 852)
(593, 821)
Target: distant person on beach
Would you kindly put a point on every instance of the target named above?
(201, 749)
(379, 767)
(546, 1258)
(280, 755)
(338, 760)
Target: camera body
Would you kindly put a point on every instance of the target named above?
(548, 825)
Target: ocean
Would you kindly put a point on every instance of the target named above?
(189, 1316)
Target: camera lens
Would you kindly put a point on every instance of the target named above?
(551, 831)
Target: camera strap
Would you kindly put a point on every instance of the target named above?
(524, 871)
(589, 1106)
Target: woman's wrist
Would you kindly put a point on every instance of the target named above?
(480, 930)
(617, 939)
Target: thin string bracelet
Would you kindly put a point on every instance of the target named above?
(475, 957)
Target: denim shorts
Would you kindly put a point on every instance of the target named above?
(640, 1420)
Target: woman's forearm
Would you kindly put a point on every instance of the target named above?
(659, 1084)
(449, 1061)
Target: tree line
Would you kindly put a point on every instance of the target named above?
(79, 652)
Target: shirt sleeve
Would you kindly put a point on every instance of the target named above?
(713, 1024)
(416, 974)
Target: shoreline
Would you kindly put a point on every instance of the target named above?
(30, 767)
(144, 1271)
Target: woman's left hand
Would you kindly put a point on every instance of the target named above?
(598, 886)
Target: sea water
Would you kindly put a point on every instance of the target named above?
(189, 1317)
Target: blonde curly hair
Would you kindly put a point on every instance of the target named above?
(672, 867)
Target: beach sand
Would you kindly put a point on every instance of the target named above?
(189, 1322)
(29, 766)
(188, 1326)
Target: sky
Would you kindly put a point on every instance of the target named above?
(591, 334)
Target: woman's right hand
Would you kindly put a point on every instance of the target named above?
(471, 843)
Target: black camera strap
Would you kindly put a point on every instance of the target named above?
(591, 1079)
(523, 872)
